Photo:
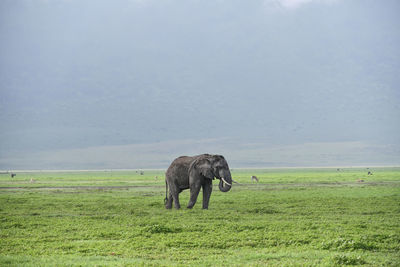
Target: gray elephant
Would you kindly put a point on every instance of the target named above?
(195, 173)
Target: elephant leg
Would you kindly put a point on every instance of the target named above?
(175, 196)
(168, 203)
(194, 192)
(207, 189)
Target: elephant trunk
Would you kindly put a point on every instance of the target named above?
(225, 183)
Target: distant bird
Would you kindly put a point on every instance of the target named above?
(13, 175)
(254, 178)
(369, 173)
(360, 180)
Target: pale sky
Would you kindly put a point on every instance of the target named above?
(133, 84)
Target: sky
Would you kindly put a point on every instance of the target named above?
(135, 83)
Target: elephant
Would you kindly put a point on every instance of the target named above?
(196, 172)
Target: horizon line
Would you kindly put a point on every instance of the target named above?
(161, 169)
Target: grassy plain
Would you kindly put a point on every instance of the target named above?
(292, 217)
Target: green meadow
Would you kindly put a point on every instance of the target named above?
(291, 217)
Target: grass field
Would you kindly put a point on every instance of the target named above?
(292, 217)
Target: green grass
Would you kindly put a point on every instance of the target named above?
(293, 217)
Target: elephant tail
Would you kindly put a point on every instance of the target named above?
(166, 192)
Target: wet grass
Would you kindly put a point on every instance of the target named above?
(320, 217)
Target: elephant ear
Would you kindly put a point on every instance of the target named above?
(203, 166)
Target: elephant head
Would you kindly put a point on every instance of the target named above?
(212, 166)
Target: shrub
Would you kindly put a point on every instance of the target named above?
(344, 244)
(347, 260)
(159, 229)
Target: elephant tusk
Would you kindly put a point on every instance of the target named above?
(225, 181)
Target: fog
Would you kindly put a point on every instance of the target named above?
(135, 83)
